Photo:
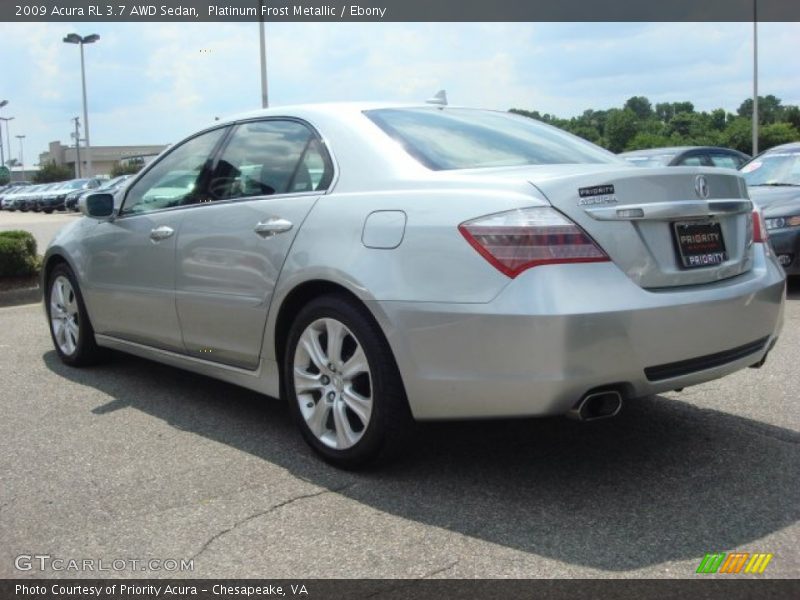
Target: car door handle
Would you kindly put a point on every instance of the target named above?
(272, 226)
(161, 233)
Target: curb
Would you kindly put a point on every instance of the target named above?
(21, 296)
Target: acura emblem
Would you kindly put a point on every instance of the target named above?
(701, 186)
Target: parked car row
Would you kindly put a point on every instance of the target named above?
(110, 186)
(46, 197)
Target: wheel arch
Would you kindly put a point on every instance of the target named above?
(50, 263)
(303, 293)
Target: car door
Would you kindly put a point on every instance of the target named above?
(231, 250)
(131, 259)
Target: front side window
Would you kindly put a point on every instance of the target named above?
(456, 138)
(177, 179)
(270, 157)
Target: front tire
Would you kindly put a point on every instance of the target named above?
(70, 328)
(343, 387)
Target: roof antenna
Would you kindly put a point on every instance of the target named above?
(439, 98)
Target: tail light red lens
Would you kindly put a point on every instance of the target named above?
(517, 240)
(759, 228)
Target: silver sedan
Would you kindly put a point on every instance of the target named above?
(380, 264)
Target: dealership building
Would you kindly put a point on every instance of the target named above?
(103, 157)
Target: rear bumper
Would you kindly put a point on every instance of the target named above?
(786, 244)
(557, 332)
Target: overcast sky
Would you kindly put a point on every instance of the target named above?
(155, 83)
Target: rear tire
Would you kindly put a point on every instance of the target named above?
(343, 386)
(70, 328)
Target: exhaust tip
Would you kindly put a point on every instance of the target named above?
(597, 405)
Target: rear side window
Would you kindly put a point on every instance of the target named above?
(692, 161)
(726, 161)
(456, 138)
(270, 157)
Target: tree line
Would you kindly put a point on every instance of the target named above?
(639, 124)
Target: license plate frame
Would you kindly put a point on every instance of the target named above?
(699, 244)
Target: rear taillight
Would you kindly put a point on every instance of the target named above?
(520, 239)
(759, 228)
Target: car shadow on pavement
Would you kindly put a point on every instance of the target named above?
(664, 481)
(793, 288)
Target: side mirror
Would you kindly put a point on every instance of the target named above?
(97, 206)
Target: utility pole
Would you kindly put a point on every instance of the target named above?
(21, 155)
(77, 136)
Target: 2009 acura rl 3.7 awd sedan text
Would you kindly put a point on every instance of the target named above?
(376, 264)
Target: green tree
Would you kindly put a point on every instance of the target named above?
(719, 119)
(644, 140)
(638, 125)
(129, 168)
(791, 114)
(621, 126)
(51, 172)
(739, 135)
(769, 109)
(776, 134)
(640, 106)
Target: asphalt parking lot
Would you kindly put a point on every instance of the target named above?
(134, 460)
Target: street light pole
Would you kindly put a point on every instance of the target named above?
(263, 47)
(2, 155)
(8, 134)
(86, 118)
(74, 38)
(755, 77)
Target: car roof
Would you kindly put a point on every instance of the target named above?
(674, 150)
(791, 146)
(332, 109)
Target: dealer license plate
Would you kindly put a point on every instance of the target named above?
(700, 244)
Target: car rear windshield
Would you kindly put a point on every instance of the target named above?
(459, 138)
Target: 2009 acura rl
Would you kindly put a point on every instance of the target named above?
(376, 264)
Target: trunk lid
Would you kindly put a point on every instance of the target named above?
(637, 215)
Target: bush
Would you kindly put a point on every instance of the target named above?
(18, 254)
(51, 172)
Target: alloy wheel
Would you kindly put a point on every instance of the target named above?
(333, 383)
(64, 315)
